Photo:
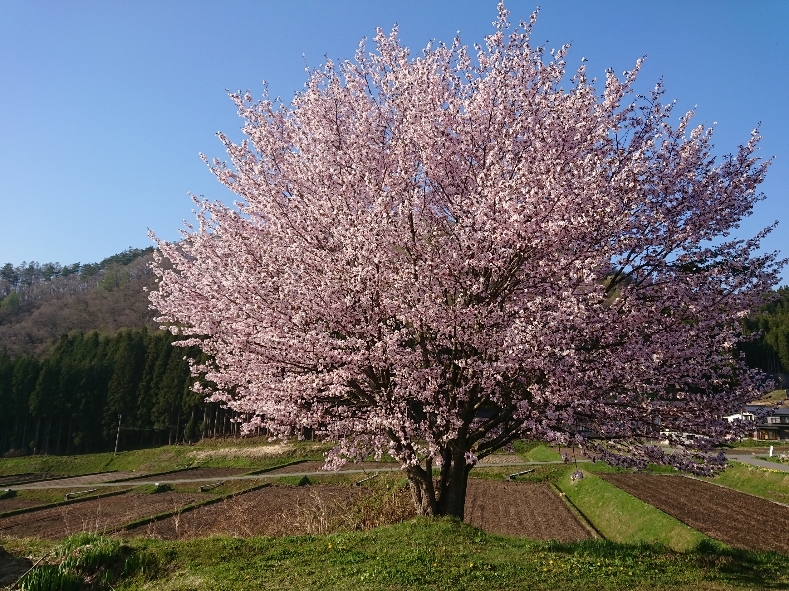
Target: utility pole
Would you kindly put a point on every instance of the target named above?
(118, 436)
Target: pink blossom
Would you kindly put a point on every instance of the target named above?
(431, 257)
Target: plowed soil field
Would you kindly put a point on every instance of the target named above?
(727, 515)
(77, 481)
(317, 466)
(191, 474)
(41, 499)
(22, 478)
(521, 509)
(530, 510)
(93, 515)
(270, 511)
(14, 503)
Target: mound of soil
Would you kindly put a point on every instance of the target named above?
(727, 515)
(521, 509)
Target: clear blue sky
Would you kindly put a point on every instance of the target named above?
(104, 105)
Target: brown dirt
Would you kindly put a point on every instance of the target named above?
(77, 481)
(11, 567)
(317, 466)
(93, 515)
(22, 478)
(727, 515)
(270, 511)
(40, 499)
(193, 473)
(521, 509)
(530, 510)
(495, 459)
(15, 503)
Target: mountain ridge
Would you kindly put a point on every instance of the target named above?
(39, 303)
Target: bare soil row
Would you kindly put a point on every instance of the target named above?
(94, 515)
(736, 518)
(521, 509)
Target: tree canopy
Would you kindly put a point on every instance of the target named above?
(433, 256)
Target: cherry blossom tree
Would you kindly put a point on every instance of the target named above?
(432, 257)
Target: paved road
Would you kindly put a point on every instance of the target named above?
(264, 476)
(760, 463)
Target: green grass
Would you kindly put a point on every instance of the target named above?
(775, 458)
(535, 451)
(441, 554)
(541, 474)
(773, 397)
(228, 453)
(769, 484)
(621, 517)
(436, 554)
(541, 453)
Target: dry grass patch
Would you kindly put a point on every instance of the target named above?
(256, 452)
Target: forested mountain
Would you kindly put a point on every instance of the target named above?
(78, 347)
(39, 303)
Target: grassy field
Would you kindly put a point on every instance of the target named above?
(773, 397)
(772, 485)
(439, 553)
(644, 548)
(247, 453)
(621, 517)
(536, 452)
(774, 458)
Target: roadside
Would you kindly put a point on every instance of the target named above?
(752, 461)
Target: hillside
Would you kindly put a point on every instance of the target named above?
(39, 303)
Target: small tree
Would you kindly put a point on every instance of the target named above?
(432, 257)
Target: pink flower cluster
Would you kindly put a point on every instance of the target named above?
(431, 257)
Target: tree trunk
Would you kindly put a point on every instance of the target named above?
(46, 435)
(68, 438)
(453, 485)
(445, 496)
(6, 430)
(422, 490)
(60, 432)
(35, 440)
(13, 444)
(23, 443)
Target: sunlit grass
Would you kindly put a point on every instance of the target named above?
(769, 484)
(621, 517)
(440, 554)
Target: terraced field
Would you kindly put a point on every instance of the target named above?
(736, 518)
